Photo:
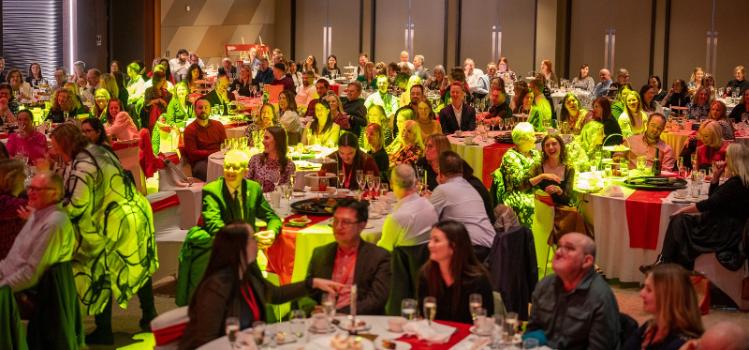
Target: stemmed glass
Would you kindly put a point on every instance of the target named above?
(341, 179)
(430, 309)
(368, 179)
(374, 185)
(360, 179)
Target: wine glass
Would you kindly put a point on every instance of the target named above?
(374, 185)
(368, 179)
(232, 328)
(360, 178)
(475, 303)
(341, 180)
(430, 309)
(408, 308)
(384, 189)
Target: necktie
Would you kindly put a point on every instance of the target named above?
(237, 206)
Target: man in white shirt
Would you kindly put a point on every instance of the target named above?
(383, 98)
(179, 65)
(404, 58)
(455, 199)
(93, 80)
(412, 218)
(474, 78)
(46, 239)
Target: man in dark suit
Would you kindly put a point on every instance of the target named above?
(458, 115)
(353, 105)
(350, 260)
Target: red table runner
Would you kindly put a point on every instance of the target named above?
(461, 331)
(281, 254)
(644, 218)
(492, 159)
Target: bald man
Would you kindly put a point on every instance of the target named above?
(722, 336)
(575, 308)
(602, 88)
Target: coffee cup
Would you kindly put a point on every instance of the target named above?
(484, 324)
(396, 324)
(320, 321)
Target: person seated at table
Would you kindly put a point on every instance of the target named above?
(322, 131)
(438, 81)
(583, 80)
(696, 81)
(369, 78)
(166, 131)
(518, 104)
(350, 260)
(429, 163)
(397, 125)
(47, 237)
(339, 116)
(227, 68)
(35, 77)
(348, 159)
(234, 286)
(645, 145)
(322, 86)
(510, 184)
(540, 114)
(273, 165)
(677, 96)
(65, 105)
(604, 83)
(648, 94)
(718, 114)
(310, 64)
(265, 119)
(412, 217)
(667, 295)
(590, 140)
(499, 108)
(95, 132)
(155, 100)
(6, 112)
(203, 137)
(739, 82)
(504, 71)
(330, 70)
(553, 174)
(243, 85)
(740, 112)
(374, 141)
(428, 124)
(306, 92)
(712, 148)
(27, 142)
(719, 220)
(289, 119)
(411, 145)
(229, 198)
(280, 77)
(194, 80)
(383, 98)
(12, 200)
(20, 88)
(101, 101)
(577, 294)
(458, 115)
(573, 114)
(453, 273)
(724, 335)
(264, 74)
(376, 114)
(120, 126)
(456, 199)
(219, 96)
(408, 105)
(632, 120)
(353, 105)
(699, 108)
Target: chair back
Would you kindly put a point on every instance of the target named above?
(11, 328)
(405, 264)
(628, 327)
(513, 270)
(169, 327)
(57, 322)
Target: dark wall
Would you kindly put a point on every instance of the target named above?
(92, 33)
(127, 31)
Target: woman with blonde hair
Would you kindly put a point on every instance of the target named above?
(633, 120)
(412, 145)
(668, 295)
(696, 81)
(718, 114)
(427, 121)
(547, 69)
(713, 147)
(720, 218)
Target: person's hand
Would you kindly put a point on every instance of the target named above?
(265, 238)
(25, 212)
(552, 177)
(326, 286)
(690, 209)
(718, 167)
(553, 189)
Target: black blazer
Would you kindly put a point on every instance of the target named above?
(450, 124)
(371, 275)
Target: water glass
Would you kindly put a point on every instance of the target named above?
(408, 308)
(328, 304)
(232, 328)
(258, 331)
(475, 303)
(297, 323)
(510, 325)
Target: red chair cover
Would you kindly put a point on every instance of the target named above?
(169, 334)
(148, 162)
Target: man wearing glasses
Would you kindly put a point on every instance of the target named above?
(350, 260)
(46, 239)
(230, 198)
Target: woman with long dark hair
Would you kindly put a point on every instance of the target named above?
(233, 286)
(348, 159)
(573, 113)
(35, 78)
(453, 273)
(289, 117)
(331, 67)
(583, 80)
(678, 96)
(194, 78)
(272, 166)
(322, 130)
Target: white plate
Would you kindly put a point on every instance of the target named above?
(399, 345)
(323, 343)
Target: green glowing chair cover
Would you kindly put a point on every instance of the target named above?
(11, 328)
(193, 260)
(57, 322)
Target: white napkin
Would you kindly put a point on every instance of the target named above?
(436, 333)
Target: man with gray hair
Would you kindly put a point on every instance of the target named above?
(411, 220)
(575, 308)
(724, 335)
(419, 68)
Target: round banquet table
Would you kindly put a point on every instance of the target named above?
(461, 337)
(676, 139)
(215, 167)
(484, 156)
(629, 230)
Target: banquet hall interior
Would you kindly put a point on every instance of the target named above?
(361, 174)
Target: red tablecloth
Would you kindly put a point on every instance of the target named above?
(643, 218)
(492, 159)
(281, 253)
(461, 331)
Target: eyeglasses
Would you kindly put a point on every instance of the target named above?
(336, 221)
(232, 167)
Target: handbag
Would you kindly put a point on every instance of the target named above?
(567, 219)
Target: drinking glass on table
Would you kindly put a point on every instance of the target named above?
(232, 328)
(511, 325)
(475, 303)
(328, 304)
(430, 309)
(298, 323)
(360, 178)
(408, 308)
(374, 185)
(258, 332)
(341, 180)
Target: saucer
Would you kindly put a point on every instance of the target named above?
(316, 330)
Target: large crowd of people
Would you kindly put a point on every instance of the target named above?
(392, 122)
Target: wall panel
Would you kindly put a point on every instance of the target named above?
(342, 15)
(429, 29)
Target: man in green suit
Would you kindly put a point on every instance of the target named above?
(230, 198)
